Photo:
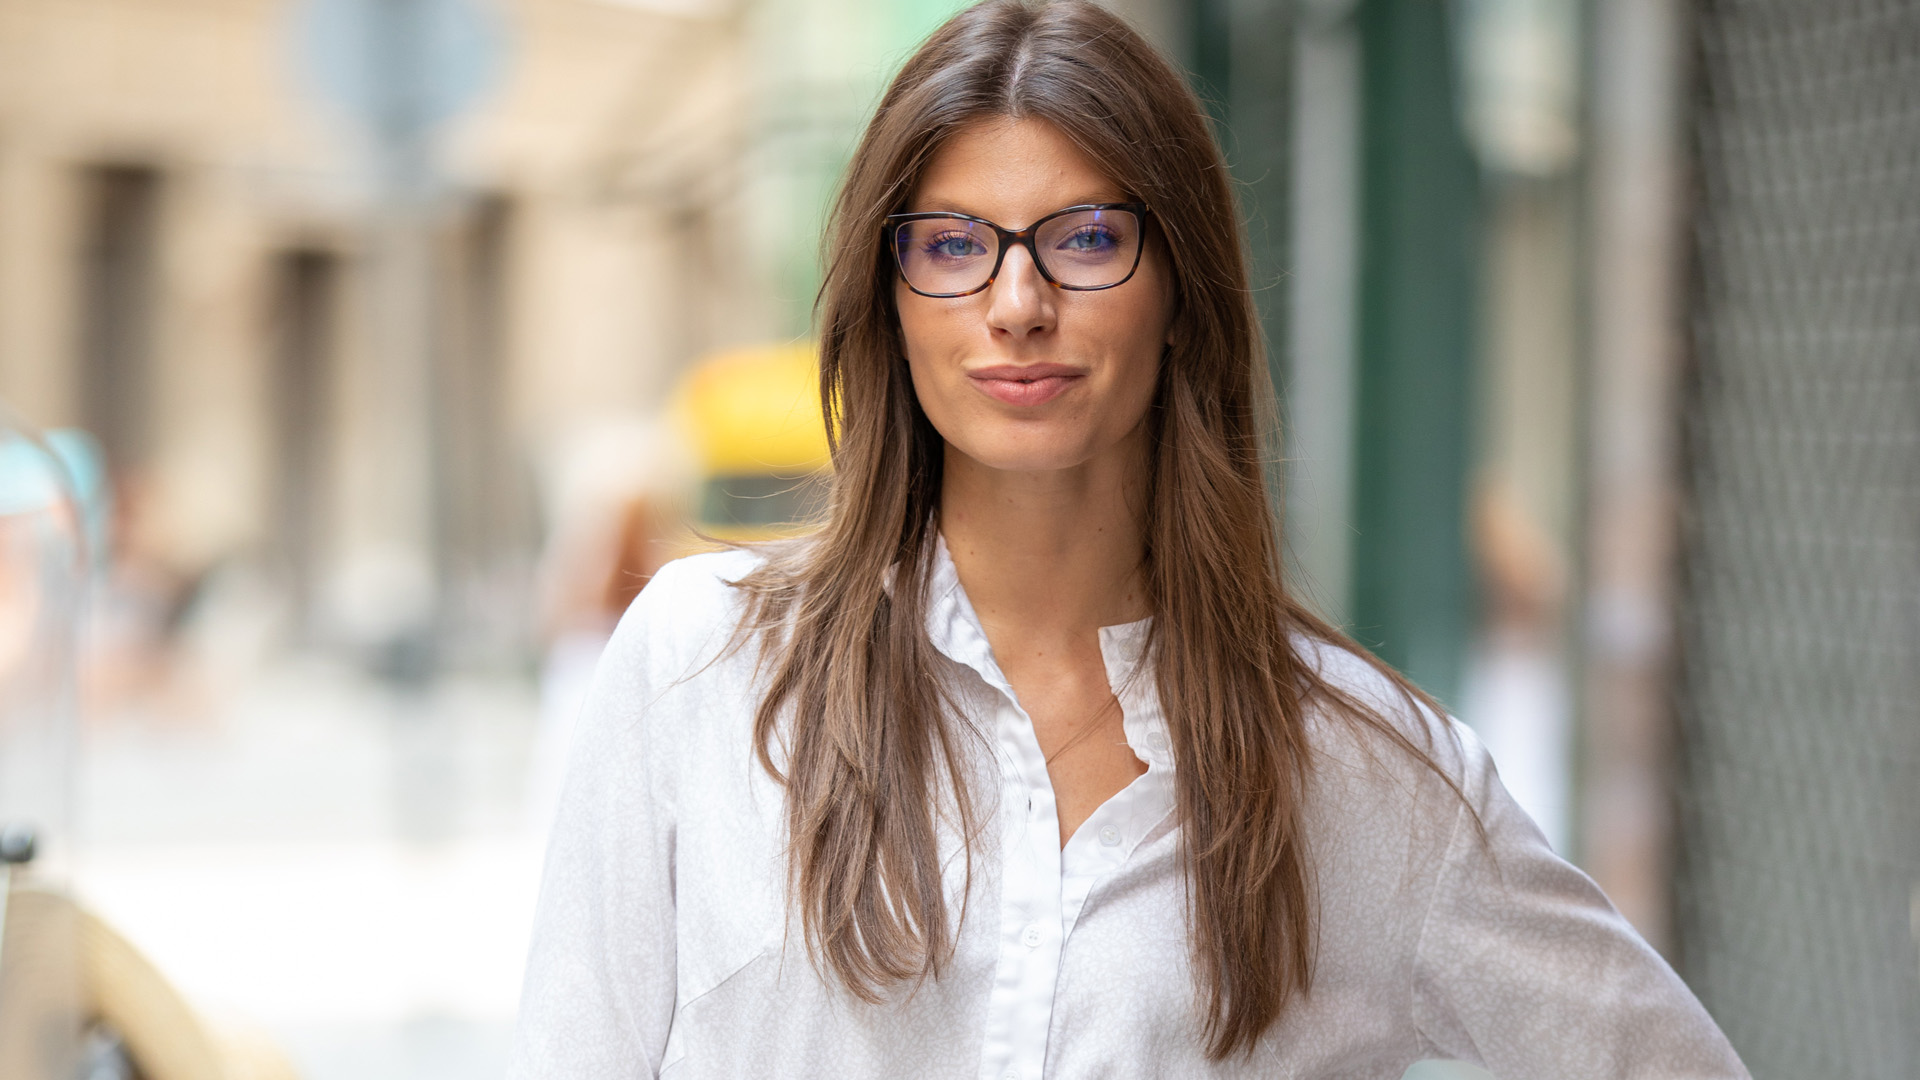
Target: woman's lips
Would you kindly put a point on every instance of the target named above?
(1029, 385)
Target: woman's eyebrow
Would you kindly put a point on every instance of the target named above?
(960, 206)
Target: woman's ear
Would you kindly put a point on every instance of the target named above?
(1177, 330)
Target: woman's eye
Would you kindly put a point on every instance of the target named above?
(1090, 238)
(954, 246)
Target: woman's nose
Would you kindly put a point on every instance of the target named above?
(1021, 300)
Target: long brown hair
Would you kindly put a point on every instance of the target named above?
(854, 704)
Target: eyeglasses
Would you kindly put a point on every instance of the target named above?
(1095, 246)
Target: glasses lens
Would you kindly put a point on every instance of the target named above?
(945, 255)
(1089, 249)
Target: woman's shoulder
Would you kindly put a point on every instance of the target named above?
(1363, 720)
(1395, 784)
(689, 609)
(709, 576)
(676, 665)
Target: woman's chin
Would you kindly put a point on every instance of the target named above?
(1024, 453)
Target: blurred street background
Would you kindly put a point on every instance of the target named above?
(360, 359)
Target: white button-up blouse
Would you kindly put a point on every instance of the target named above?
(665, 944)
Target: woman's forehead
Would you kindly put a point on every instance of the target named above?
(1010, 171)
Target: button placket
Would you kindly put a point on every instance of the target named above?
(1108, 841)
(1040, 899)
(1020, 1007)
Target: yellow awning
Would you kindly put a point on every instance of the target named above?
(755, 411)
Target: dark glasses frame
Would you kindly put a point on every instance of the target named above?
(1008, 239)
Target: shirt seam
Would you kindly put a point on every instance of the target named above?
(681, 1009)
(1414, 995)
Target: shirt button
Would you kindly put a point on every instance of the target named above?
(1110, 836)
(1157, 740)
(1031, 938)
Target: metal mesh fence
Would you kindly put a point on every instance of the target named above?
(1799, 864)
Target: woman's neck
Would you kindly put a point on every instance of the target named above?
(1056, 552)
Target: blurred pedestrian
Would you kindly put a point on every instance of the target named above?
(1515, 693)
(616, 511)
(1026, 764)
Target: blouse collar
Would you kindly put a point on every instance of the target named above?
(954, 629)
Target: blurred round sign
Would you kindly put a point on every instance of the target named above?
(399, 66)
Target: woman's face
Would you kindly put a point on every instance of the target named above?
(1025, 376)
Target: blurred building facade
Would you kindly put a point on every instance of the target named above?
(197, 265)
(189, 249)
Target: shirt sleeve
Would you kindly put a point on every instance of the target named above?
(1525, 968)
(600, 981)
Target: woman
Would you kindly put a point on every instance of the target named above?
(1026, 764)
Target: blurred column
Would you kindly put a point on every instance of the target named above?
(1243, 58)
(1636, 316)
(485, 542)
(1418, 275)
(402, 68)
(1322, 278)
(411, 423)
(1341, 121)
